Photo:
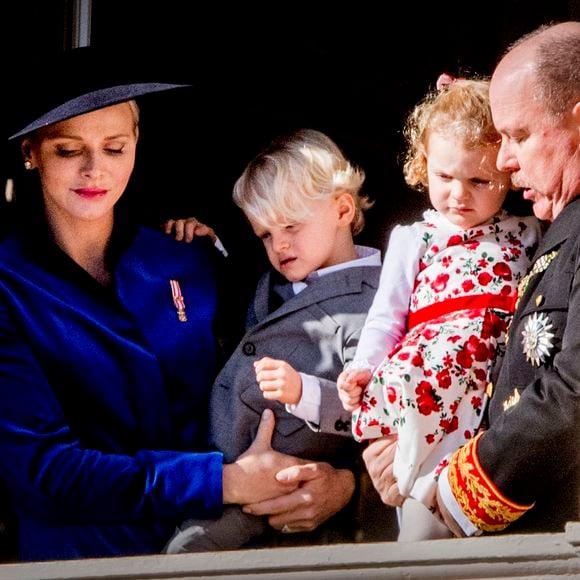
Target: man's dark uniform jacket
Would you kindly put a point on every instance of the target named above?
(522, 474)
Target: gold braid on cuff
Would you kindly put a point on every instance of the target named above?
(485, 506)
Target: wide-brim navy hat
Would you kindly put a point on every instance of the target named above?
(80, 81)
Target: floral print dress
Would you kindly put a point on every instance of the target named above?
(430, 389)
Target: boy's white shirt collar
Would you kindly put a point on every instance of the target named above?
(366, 256)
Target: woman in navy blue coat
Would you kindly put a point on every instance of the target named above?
(107, 349)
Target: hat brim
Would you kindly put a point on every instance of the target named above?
(92, 101)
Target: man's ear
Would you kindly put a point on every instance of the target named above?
(576, 114)
(346, 207)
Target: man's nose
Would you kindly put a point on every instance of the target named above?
(506, 159)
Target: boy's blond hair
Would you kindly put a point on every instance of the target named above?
(280, 183)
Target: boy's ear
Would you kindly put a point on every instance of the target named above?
(346, 208)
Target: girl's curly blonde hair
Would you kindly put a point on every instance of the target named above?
(459, 110)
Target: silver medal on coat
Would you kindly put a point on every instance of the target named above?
(537, 338)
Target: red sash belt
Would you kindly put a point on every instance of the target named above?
(499, 301)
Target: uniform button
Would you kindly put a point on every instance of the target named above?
(249, 348)
(342, 425)
(539, 300)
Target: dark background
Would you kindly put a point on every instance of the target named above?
(261, 69)
(257, 71)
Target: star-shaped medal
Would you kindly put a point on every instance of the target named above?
(537, 338)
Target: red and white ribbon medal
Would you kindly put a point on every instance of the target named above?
(178, 300)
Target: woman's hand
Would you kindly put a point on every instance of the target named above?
(186, 229)
(322, 491)
(253, 477)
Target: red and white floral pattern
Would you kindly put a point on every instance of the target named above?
(431, 388)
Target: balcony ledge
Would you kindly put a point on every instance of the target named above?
(509, 556)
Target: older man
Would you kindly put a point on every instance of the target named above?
(523, 473)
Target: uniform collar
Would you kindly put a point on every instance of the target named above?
(564, 226)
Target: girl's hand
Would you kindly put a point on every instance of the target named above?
(350, 385)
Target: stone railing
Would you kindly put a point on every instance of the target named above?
(538, 556)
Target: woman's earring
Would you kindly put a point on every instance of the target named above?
(27, 165)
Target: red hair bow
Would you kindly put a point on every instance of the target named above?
(444, 80)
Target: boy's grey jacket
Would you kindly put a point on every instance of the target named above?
(315, 331)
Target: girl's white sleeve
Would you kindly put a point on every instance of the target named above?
(386, 322)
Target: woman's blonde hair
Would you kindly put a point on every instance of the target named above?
(280, 183)
(460, 110)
